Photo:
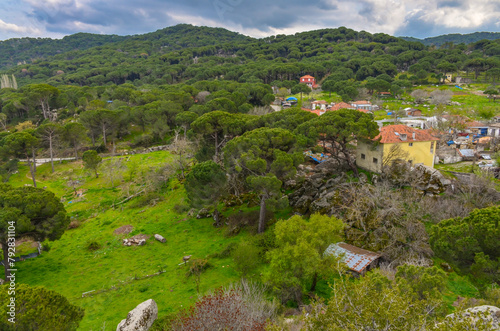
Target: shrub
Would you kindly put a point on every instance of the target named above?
(74, 224)
(93, 245)
(241, 220)
(246, 257)
(39, 309)
(241, 307)
(46, 247)
(181, 208)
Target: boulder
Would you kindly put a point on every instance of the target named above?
(160, 238)
(141, 242)
(203, 213)
(479, 316)
(429, 180)
(141, 318)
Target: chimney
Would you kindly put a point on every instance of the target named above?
(413, 135)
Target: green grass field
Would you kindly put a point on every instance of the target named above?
(71, 269)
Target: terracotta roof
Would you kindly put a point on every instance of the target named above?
(356, 258)
(341, 105)
(319, 101)
(476, 124)
(392, 134)
(314, 111)
(361, 102)
(306, 76)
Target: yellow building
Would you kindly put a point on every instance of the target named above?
(396, 142)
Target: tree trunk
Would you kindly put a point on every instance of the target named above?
(314, 282)
(76, 152)
(5, 249)
(104, 135)
(34, 159)
(96, 174)
(262, 214)
(32, 171)
(51, 154)
(217, 217)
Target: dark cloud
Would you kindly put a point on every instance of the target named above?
(258, 17)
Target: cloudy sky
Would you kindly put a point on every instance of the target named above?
(257, 18)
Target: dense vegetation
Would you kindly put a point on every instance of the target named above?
(220, 189)
(187, 54)
(456, 38)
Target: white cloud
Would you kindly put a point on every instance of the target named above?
(14, 28)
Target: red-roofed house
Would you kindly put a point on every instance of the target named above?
(397, 142)
(341, 105)
(309, 81)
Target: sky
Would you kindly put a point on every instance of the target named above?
(257, 18)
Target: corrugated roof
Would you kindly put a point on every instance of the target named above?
(467, 152)
(391, 134)
(356, 258)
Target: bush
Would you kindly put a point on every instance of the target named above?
(46, 247)
(74, 224)
(181, 208)
(93, 245)
(39, 309)
(226, 252)
(246, 257)
(241, 307)
(144, 140)
(248, 219)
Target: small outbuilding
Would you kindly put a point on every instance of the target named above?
(358, 260)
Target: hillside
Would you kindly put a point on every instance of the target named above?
(186, 54)
(28, 50)
(456, 38)
(31, 50)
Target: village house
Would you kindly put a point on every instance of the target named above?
(358, 260)
(364, 105)
(414, 146)
(494, 130)
(309, 81)
(413, 112)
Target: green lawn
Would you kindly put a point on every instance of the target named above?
(71, 269)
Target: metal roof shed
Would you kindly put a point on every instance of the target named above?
(357, 259)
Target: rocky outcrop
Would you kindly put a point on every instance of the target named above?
(429, 180)
(485, 316)
(140, 318)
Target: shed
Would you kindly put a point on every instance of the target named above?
(357, 259)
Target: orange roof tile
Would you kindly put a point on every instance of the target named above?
(341, 105)
(306, 76)
(392, 134)
(314, 111)
(361, 102)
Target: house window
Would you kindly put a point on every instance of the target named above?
(375, 160)
(432, 147)
(363, 156)
(410, 144)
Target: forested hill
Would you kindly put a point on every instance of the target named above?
(26, 50)
(187, 54)
(31, 50)
(456, 38)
